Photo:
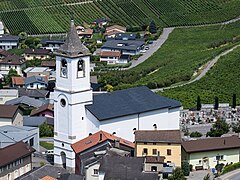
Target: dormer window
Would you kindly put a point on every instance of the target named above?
(63, 72)
(80, 69)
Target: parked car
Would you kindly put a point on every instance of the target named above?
(49, 152)
(146, 48)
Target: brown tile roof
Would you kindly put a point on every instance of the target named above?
(7, 111)
(154, 159)
(211, 144)
(45, 107)
(94, 139)
(18, 80)
(13, 152)
(48, 63)
(116, 27)
(5, 53)
(110, 54)
(168, 136)
(86, 32)
(37, 51)
(48, 178)
(13, 60)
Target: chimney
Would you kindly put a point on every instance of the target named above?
(116, 143)
(155, 127)
(100, 138)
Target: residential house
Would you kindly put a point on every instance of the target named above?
(49, 172)
(37, 71)
(15, 160)
(10, 115)
(7, 94)
(4, 53)
(40, 94)
(86, 33)
(111, 57)
(94, 144)
(50, 64)
(51, 44)
(11, 134)
(166, 143)
(36, 121)
(8, 41)
(117, 167)
(36, 82)
(125, 36)
(130, 47)
(26, 103)
(42, 54)
(111, 31)
(1, 28)
(124, 59)
(32, 82)
(47, 110)
(207, 153)
(100, 22)
(12, 62)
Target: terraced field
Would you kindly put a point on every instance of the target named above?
(48, 16)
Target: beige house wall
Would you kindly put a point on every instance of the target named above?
(18, 119)
(197, 159)
(175, 156)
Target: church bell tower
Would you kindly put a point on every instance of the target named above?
(72, 93)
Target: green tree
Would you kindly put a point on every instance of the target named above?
(199, 103)
(22, 36)
(11, 73)
(219, 128)
(185, 168)
(196, 134)
(109, 88)
(177, 175)
(45, 130)
(234, 101)
(236, 127)
(207, 177)
(216, 105)
(152, 27)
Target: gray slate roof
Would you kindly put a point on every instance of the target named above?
(11, 134)
(35, 79)
(127, 168)
(25, 100)
(40, 93)
(8, 37)
(36, 121)
(128, 102)
(132, 45)
(73, 45)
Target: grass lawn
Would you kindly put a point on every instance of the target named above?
(47, 145)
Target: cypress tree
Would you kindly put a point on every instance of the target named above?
(152, 27)
(234, 101)
(199, 103)
(216, 105)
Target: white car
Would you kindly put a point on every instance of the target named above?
(49, 152)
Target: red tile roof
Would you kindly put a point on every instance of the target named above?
(18, 80)
(48, 63)
(48, 178)
(45, 107)
(118, 27)
(94, 139)
(13, 152)
(86, 32)
(37, 51)
(13, 60)
(110, 54)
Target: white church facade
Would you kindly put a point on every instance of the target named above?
(78, 113)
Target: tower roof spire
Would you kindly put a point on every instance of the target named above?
(73, 45)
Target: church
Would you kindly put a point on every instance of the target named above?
(78, 113)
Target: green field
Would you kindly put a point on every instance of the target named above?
(48, 16)
(185, 51)
(221, 81)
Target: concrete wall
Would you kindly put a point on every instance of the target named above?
(45, 73)
(4, 68)
(175, 156)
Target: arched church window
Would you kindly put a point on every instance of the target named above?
(63, 68)
(80, 69)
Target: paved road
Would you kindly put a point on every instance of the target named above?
(203, 72)
(153, 48)
(233, 175)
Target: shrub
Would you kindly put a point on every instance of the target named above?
(185, 168)
(196, 134)
(231, 167)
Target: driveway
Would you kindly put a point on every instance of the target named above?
(153, 48)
